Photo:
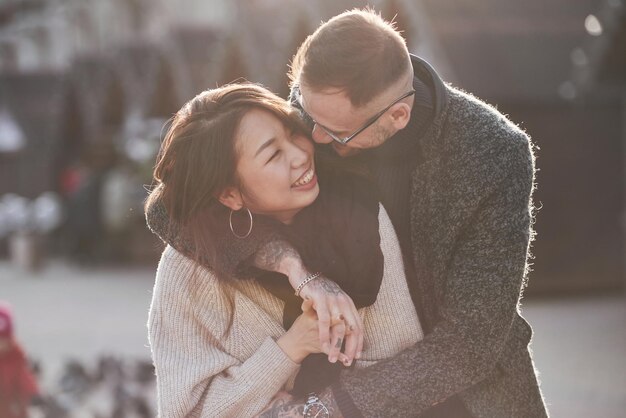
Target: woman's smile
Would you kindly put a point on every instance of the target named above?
(306, 181)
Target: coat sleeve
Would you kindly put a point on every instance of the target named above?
(196, 374)
(484, 280)
(234, 255)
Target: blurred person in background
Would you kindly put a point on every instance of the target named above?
(81, 186)
(18, 387)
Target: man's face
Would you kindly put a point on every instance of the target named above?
(332, 111)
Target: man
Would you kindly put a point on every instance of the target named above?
(456, 178)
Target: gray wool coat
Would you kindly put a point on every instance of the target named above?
(471, 226)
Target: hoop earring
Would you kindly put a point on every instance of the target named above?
(230, 223)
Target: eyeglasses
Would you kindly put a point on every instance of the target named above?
(345, 140)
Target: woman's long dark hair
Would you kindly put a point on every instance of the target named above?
(198, 157)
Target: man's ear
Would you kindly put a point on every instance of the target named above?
(400, 115)
(231, 198)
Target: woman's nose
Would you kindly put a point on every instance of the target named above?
(299, 155)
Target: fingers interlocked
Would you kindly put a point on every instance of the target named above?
(340, 324)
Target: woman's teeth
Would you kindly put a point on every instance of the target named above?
(306, 178)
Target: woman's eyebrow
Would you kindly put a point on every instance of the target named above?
(265, 145)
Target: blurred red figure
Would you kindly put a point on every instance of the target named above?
(17, 383)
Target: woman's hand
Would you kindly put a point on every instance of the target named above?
(302, 338)
(338, 318)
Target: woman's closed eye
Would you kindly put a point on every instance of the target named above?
(274, 155)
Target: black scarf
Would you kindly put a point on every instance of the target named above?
(338, 236)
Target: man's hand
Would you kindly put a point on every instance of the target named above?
(284, 405)
(333, 305)
(338, 319)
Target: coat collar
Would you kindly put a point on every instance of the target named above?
(428, 142)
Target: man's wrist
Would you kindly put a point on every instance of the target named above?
(295, 270)
(295, 407)
(279, 256)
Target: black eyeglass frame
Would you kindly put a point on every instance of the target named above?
(370, 121)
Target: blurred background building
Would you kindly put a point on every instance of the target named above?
(87, 85)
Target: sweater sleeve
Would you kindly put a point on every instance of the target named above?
(484, 280)
(196, 375)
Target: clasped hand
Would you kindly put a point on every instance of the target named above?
(329, 318)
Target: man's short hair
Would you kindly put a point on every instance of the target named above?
(357, 51)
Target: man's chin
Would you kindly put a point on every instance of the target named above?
(344, 150)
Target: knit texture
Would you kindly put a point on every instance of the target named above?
(390, 167)
(213, 341)
(470, 227)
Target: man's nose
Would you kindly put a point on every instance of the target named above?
(320, 136)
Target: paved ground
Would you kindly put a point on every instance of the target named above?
(67, 312)
(579, 347)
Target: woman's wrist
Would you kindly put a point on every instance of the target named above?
(290, 349)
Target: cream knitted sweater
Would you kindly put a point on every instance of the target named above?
(213, 341)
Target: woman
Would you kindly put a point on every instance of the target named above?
(238, 157)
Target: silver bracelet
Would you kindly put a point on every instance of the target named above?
(307, 279)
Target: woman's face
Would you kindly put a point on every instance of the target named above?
(275, 168)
